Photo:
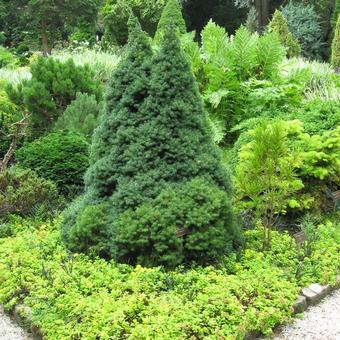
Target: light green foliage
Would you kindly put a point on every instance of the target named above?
(228, 63)
(317, 260)
(101, 63)
(9, 114)
(336, 47)
(304, 23)
(317, 79)
(266, 173)
(51, 89)
(171, 18)
(81, 116)
(88, 298)
(314, 158)
(6, 57)
(23, 193)
(60, 156)
(116, 14)
(279, 25)
(321, 163)
(148, 235)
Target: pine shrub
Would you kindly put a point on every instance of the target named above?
(81, 116)
(336, 47)
(53, 87)
(60, 156)
(279, 25)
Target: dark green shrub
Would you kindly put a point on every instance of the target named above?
(304, 23)
(53, 87)
(81, 116)
(279, 25)
(90, 233)
(61, 157)
(198, 208)
(23, 193)
(336, 47)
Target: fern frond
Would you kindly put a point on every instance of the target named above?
(270, 53)
(215, 44)
(242, 54)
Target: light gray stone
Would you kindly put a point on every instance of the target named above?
(321, 290)
(300, 305)
(311, 296)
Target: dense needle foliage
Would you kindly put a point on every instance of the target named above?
(154, 133)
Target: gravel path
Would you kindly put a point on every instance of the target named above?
(10, 331)
(321, 322)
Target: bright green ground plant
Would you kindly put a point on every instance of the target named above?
(74, 297)
(86, 298)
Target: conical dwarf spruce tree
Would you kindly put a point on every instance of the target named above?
(87, 223)
(171, 17)
(153, 157)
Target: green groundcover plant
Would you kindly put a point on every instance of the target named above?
(74, 297)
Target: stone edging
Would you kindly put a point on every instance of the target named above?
(308, 297)
(312, 295)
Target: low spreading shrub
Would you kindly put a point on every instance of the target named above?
(60, 156)
(319, 116)
(76, 297)
(23, 193)
(86, 298)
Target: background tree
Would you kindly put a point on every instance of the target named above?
(46, 19)
(304, 23)
(336, 47)
(116, 14)
(171, 17)
(279, 25)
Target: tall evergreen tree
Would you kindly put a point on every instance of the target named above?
(336, 47)
(171, 17)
